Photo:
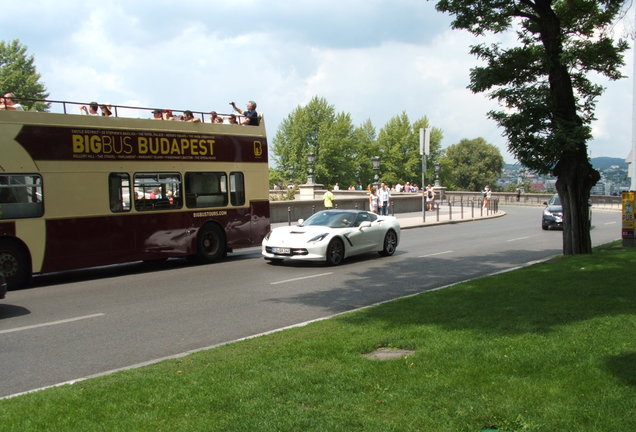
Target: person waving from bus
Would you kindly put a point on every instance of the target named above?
(250, 114)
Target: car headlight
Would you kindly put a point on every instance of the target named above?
(547, 212)
(319, 237)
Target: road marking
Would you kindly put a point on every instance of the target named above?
(52, 323)
(300, 278)
(434, 254)
(610, 223)
(518, 238)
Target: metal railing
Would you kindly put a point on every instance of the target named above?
(125, 111)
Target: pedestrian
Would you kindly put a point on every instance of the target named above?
(329, 198)
(373, 200)
(384, 196)
(487, 193)
(430, 197)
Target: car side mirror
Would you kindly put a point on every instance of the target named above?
(300, 221)
(365, 224)
(545, 203)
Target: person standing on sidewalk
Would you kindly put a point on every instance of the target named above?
(487, 194)
(430, 197)
(373, 200)
(329, 198)
(384, 195)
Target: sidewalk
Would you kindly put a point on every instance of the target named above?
(416, 219)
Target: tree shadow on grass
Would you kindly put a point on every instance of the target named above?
(623, 366)
(532, 300)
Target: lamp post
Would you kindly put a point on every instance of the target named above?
(311, 159)
(375, 164)
(291, 175)
(437, 183)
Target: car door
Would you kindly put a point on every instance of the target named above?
(366, 234)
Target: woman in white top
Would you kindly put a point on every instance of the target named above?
(373, 200)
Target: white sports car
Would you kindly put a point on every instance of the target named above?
(333, 235)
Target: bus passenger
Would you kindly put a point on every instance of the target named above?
(188, 117)
(214, 118)
(157, 115)
(251, 116)
(8, 103)
(167, 114)
(91, 110)
(106, 110)
(232, 119)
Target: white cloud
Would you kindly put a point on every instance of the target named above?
(373, 59)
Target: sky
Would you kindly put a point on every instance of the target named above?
(373, 59)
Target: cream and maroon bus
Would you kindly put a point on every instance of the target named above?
(83, 191)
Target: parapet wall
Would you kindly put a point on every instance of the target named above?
(283, 211)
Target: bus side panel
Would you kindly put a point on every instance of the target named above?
(95, 241)
(7, 229)
(260, 221)
(33, 232)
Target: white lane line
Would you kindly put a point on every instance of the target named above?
(52, 323)
(300, 278)
(518, 238)
(610, 223)
(437, 253)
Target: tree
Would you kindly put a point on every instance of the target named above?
(471, 165)
(543, 85)
(316, 128)
(18, 75)
(400, 149)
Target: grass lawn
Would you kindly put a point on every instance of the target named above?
(551, 347)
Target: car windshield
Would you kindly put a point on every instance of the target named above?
(555, 201)
(331, 219)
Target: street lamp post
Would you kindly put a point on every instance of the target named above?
(311, 159)
(375, 163)
(437, 183)
(291, 174)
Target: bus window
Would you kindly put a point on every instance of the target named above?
(119, 192)
(206, 189)
(20, 196)
(157, 191)
(237, 189)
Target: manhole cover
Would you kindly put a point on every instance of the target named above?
(388, 354)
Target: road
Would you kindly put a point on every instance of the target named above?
(69, 326)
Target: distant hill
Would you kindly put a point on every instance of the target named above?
(601, 163)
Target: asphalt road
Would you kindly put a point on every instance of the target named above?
(78, 324)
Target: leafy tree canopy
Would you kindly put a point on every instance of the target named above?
(18, 75)
(471, 165)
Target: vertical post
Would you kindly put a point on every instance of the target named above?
(425, 139)
(632, 166)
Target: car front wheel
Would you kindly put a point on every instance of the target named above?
(335, 252)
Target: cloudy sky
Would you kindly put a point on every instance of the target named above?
(370, 58)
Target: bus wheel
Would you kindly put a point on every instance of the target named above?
(14, 264)
(210, 244)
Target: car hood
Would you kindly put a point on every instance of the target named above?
(298, 233)
(555, 209)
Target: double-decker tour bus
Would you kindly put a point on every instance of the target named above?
(83, 191)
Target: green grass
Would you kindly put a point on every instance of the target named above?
(551, 347)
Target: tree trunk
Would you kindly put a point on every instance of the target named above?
(575, 178)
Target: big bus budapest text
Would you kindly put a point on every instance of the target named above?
(82, 191)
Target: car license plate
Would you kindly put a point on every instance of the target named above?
(281, 251)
